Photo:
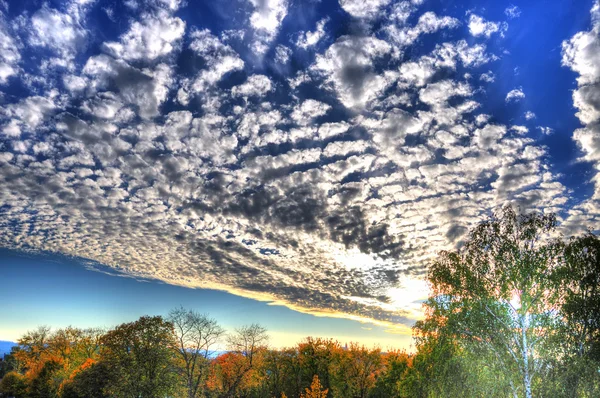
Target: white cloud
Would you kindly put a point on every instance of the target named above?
(427, 23)
(154, 36)
(545, 130)
(308, 110)
(529, 115)
(220, 60)
(61, 32)
(480, 27)
(581, 53)
(282, 54)
(9, 53)
(348, 66)
(29, 113)
(515, 95)
(266, 20)
(488, 77)
(444, 56)
(310, 39)
(519, 129)
(146, 89)
(512, 11)
(363, 9)
(256, 85)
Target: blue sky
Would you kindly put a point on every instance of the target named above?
(46, 289)
(310, 154)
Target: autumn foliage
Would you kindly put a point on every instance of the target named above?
(512, 313)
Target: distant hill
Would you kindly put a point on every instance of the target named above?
(5, 347)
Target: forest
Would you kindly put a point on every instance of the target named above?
(514, 312)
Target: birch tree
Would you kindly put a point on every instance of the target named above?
(496, 292)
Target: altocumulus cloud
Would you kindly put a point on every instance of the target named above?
(319, 168)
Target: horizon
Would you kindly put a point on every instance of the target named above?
(294, 164)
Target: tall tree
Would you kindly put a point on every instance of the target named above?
(197, 335)
(576, 368)
(496, 291)
(142, 358)
(244, 344)
(580, 277)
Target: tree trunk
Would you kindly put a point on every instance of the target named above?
(526, 375)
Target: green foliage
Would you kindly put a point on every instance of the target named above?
(514, 313)
(392, 382)
(14, 384)
(141, 357)
(91, 382)
(42, 385)
(496, 294)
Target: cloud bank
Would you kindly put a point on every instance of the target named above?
(320, 170)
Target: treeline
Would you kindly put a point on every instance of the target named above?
(173, 357)
(515, 312)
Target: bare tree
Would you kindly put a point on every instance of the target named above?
(246, 341)
(197, 335)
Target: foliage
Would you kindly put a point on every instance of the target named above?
(496, 293)
(514, 312)
(141, 356)
(13, 384)
(315, 390)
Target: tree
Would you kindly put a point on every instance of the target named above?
(315, 390)
(318, 356)
(196, 336)
(355, 370)
(90, 381)
(13, 384)
(575, 371)
(496, 291)
(32, 350)
(580, 279)
(142, 358)
(390, 383)
(42, 384)
(244, 344)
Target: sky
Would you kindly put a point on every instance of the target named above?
(303, 159)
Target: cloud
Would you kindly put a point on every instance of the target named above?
(62, 32)
(9, 53)
(310, 39)
(515, 95)
(580, 54)
(256, 85)
(282, 54)
(348, 66)
(480, 27)
(152, 37)
(325, 181)
(512, 11)
(545, 130)
(144, 89)
(488, 77)
(266, 20)
(219, 58)
(427, 23)
(363, 9)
